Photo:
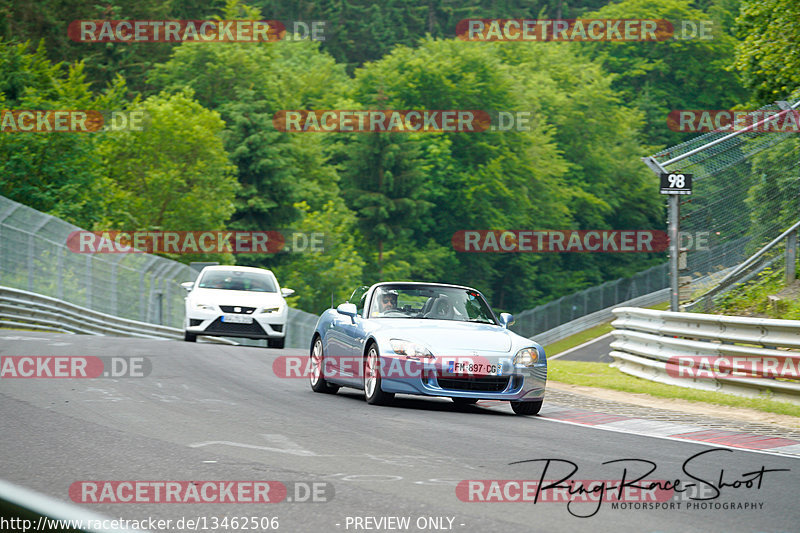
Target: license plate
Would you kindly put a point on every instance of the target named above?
(463, 368)
(237, 319)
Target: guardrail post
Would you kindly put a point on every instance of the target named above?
(159, 307)
(791, 257)
(89, 281)
(30, 261)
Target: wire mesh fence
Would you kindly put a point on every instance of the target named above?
(573, 306)
(34, 257)
(746, 191)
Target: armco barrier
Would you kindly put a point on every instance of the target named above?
(646, 340)
(21, 507)
(28, 310)
(595, 319)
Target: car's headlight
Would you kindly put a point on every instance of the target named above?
(526, 357)
(273, 309)
(204, 307)
(410, 349)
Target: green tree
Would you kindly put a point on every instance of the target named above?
(658, 77)
(768, 56)
(335, 271)
(55, 172)
(247, 84)
(488, 180)
(173, 175)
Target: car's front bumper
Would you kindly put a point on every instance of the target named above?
(264, 325)
(515, 383)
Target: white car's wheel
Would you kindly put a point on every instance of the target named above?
(317, 379)
(372, 378)
(189, 337)
(527, 408)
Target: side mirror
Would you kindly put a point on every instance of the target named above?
(348, 309)
(506, 319)
(287, 292)
(188, 285)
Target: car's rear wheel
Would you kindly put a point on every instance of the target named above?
(317, 378)
(189, 337)
(372, 378)
(276, 343)
(464, 401)
(527, 408)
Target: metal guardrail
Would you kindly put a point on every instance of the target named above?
(22, 509)
(662, 345)
(29, 310)
(738, 274)
(598, 317)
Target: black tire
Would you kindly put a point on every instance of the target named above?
(276, 343)
(189, 337)
(372, 378)
(317, 378)
(464, 401)
(527, 408)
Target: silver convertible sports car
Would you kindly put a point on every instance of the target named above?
(426, 339)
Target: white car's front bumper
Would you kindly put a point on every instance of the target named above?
(212, 322)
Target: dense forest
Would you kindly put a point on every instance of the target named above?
(210, 157)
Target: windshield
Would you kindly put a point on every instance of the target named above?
(432, 302)
(234, 280)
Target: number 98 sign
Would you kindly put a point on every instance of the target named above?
(676, 183)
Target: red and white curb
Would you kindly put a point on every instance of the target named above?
(672, 431)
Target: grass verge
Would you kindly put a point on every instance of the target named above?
(588, 334)
(603, 376)
(579, 338)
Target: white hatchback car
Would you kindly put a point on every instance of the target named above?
(236, 301)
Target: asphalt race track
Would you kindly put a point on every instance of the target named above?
(215, 412)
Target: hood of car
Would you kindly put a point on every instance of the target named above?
(240, 298)
(444, 335)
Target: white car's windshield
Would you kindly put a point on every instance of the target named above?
(234, 280)
(442, 303)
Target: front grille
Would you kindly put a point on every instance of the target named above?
(220, 327)
(242, 310)
(472, 383)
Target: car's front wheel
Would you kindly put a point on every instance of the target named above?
(189, 337)
(372, 379)
(317, 378)
(527, 408)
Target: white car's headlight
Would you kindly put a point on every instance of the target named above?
(271, 309)
(526, 357)
(410, 349)
(203, 307)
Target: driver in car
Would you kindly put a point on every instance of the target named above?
(387, 301)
